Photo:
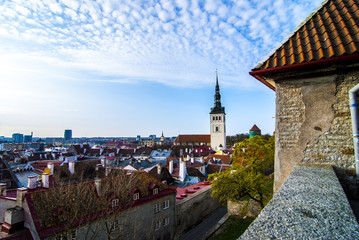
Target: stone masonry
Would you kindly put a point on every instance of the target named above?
(313, 123)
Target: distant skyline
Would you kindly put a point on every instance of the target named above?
(126, 68)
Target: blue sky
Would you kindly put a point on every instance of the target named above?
(123, 68)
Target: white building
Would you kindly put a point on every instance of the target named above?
(218, 122)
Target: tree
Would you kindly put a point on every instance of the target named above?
(248, 177)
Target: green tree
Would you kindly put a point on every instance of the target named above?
(248, 177)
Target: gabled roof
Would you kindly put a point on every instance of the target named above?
(328, 35)
(254, 128)
(204, 138)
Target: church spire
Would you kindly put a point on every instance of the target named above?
(217, 108)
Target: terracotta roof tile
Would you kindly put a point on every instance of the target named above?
(206, 138)
(331, 31)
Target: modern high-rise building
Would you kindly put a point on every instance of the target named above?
(218, 122)
(18, 138)
(68, 134)
(28, 138)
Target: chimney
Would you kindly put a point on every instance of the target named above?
(159, 168)
(20, 196)
(98, 186)
(103, 162)
(171, 167)
(51, 167)
(107, 171)
(192, 160)
(72, 167)
(182, 171)
(13, 220)
(3, 189)
(31, 182)
(45, 180)
(98, 166)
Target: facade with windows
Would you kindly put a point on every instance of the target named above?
(143, 209)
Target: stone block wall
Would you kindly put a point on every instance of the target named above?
(313, 123)
(192, 210)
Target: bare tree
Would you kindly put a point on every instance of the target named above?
(98, 209)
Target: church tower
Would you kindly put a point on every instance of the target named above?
(218, 122)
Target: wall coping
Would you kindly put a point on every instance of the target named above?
(311, 204)
(194, 195)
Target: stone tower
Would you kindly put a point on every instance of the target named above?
(218, 122)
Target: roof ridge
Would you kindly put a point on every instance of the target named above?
(290, 35)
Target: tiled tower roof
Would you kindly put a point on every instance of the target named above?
(254, 128)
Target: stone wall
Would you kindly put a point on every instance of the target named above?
(249, 208)
(313, 123)
(311, 204)
(192, 210)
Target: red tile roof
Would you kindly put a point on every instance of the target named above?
(254, 128)
(205, 138)
(225, 159)
(182, 193)
(330, 33)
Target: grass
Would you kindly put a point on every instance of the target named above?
(233, 228)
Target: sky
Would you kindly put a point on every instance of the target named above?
(126, 68)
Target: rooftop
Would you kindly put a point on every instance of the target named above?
(329, 33)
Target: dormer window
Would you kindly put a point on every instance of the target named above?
(154, 188)
(115, 202)
(136, 196)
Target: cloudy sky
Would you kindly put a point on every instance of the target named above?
(128, 67)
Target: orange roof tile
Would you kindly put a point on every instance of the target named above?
(331, 31)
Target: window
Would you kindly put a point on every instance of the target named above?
(166, 221)
(214, 118)
(217, 129)
(136, 196)
(61, 236)
(219, 118)
(73, 235)
(115, 225)
(115, 202)
(155, 191)
(156, 208)
(156, 225)
(166, 204)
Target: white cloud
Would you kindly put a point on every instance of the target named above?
(54, 7)
(152, 41)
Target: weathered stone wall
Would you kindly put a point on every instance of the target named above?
(249, 208)
(313, 123)
(192, 210)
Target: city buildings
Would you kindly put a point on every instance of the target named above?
(68, 135)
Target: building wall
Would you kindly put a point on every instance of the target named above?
(218, 131)
(192, 210)
(135, 223)
(313, 123)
